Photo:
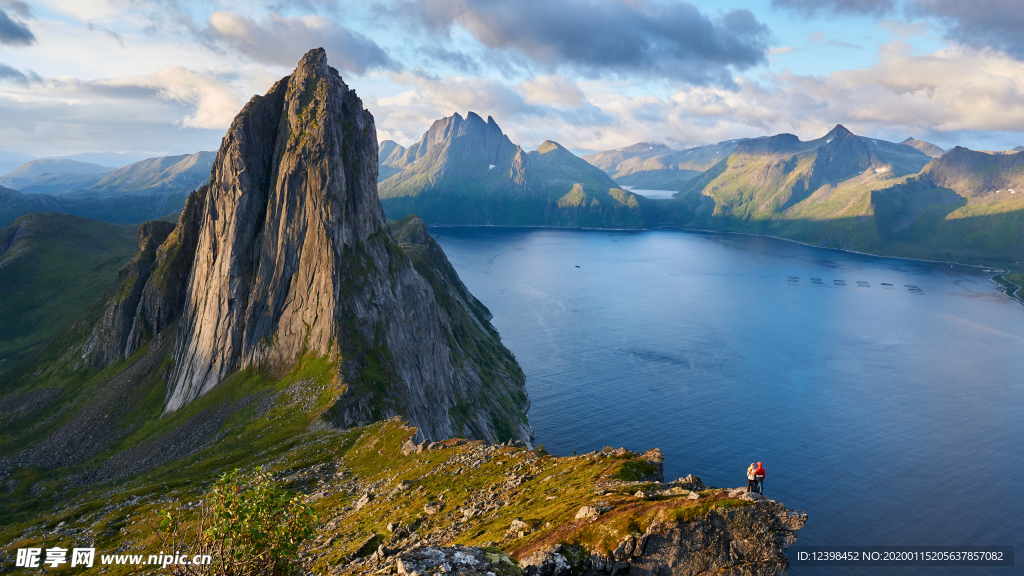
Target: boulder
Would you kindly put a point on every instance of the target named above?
(547, 562)
(587, 513)
(460, 560)
(363, 500)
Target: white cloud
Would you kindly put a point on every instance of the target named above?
(950, 91)
(554, 90)
(212, 97)
(281, 41)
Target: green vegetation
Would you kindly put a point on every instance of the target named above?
(282, 436)
(635, 470)
(54, 267)
(247, 525)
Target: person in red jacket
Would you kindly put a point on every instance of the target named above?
(759, 478)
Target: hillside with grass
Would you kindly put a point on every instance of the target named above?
(383, 504)
(52, 268)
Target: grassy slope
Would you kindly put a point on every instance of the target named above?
(37, 299)
(283, 433)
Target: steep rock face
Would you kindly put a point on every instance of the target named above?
(106, 343)
(294, 257)
(972, 173)
(164, 294)
(489, 370)
(390, 159)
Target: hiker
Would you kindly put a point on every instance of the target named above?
(759, 478)
(750, 477)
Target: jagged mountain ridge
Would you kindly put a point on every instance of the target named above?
(467, 171)
(766, 176)
(458, 153)
(286, 254)
(971, 173)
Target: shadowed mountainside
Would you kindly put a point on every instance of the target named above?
(52, 268)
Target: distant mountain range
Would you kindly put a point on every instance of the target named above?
(467, 171)
(135, 193)
(658, 167)
(909, 199)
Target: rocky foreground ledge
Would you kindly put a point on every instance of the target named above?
(388, 506)
(459, 507)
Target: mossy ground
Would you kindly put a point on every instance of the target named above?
(334, 467)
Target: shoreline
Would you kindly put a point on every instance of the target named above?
(997, 277)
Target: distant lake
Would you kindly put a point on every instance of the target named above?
(653, 194)
(885, 397)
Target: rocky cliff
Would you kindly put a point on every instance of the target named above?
(974, 174)
(286, 254)
(107, 342)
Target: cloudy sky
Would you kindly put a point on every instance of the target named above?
(167, 76)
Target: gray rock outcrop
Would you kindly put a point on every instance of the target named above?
(106, 343)
(746, 540)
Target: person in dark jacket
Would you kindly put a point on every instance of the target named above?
(759, 478)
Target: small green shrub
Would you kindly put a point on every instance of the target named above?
(247, 525)
(634, 470)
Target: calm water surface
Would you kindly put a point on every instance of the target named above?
(884, 396)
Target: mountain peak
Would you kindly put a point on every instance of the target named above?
(839, 131)
(313, 62)
(549, 146)
(294, 258)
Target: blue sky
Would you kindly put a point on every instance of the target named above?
(167, 76)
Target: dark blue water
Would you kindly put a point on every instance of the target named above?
(885, 397)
